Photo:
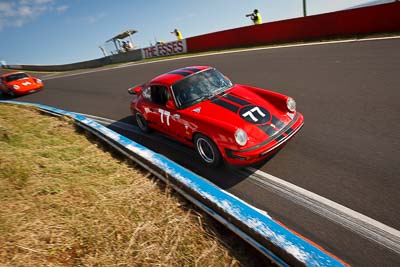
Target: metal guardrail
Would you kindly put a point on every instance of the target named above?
(257, 228)
(131, 56)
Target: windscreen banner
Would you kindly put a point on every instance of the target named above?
(165, 49)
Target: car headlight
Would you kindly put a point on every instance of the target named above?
(16, 87)
(38, 80)
(241, 137)
(291, 104)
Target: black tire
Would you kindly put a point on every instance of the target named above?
(142, 123)
(207, 150)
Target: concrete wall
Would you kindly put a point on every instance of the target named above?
(134, 55)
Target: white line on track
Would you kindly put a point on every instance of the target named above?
(350, 219)
(133, 64)
(339, 214)
(107, 122)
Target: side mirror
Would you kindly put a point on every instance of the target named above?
(170, 104)
(135, 90)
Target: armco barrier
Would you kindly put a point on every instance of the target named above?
(66, 67)
(95, 63)
(367, 20)
(257, 228)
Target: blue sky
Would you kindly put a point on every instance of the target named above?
(62, 31)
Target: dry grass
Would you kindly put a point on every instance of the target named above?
(65, 202)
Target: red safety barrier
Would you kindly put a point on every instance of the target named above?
(379, 18)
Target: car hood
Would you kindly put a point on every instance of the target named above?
(242, 108)
(23, 82)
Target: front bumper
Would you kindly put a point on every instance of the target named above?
(265, 149)
(24, 90)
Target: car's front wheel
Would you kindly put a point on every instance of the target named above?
(207, 150)
(141, 122)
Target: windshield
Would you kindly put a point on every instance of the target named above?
(16, 76)
(199, 86)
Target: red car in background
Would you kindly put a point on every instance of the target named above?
(19, 83)
(202, 108)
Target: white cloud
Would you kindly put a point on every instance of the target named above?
(61, 9)
(95, 18)
(18, 13)
(25, 11)
(41, 2)
(6, 9)
(18, 23)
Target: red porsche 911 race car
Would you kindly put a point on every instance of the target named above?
(19, 83)
(202, 108)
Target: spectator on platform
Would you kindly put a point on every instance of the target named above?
(129, 46)
(125, 46)
(178, 34)
(255, 17)
(122, 47)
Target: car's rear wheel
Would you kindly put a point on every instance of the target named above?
(141, 122)
(207, 150)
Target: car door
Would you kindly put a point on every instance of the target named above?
(149, 109)
(166, 117)
(176, 125)
(160, 95)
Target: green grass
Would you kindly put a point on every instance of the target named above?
(65, 201)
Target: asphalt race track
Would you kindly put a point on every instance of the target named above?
(348, 151)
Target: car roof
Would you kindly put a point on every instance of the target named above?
(171, 77)
(11, 73)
